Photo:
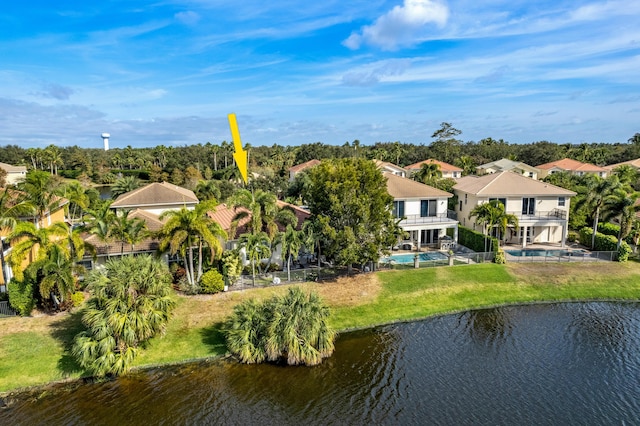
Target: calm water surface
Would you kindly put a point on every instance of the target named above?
(547, 364)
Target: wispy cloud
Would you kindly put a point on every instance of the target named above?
(400, 27)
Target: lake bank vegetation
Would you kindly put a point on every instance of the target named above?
(36, 350)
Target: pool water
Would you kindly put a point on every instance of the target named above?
(408, 258)
(546, 253)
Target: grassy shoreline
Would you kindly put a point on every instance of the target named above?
(35, 351)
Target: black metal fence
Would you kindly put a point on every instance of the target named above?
(518, 256)
(6, 310)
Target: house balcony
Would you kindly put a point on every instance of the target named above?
(555, 214)
(416, 219)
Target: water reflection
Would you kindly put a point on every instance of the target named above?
(547, 364)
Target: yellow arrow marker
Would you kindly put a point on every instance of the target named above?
(240, 155)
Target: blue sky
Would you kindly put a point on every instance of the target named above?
(169, 71)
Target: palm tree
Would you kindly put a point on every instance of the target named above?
(207, 190)
(40, 190)
(493, 214)
(623, 206)
(58, 273)
(98, 221)
(291, 245)
(256, 246)
(292, 327)
(186, 229)
(128, 230)
(467, 164)
(596, 191)
(11, 209)
(32, 242)
(131, 302)
(428, 174)
(78, 199)
(124, 185)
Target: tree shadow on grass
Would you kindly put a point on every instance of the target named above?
(213, 337)
(64, 330)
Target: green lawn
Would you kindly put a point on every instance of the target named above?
(36, 350)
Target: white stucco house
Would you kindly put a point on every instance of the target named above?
(422, 210)
(542, 209)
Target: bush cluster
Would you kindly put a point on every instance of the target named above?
(211, 282)
(476, 240)
(605, 243)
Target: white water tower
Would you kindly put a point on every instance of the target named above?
(105, 138)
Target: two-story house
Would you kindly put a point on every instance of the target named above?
(505, 164)
(422, 210)
(542, 209)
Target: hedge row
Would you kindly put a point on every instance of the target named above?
(612, 229)
(476, 240)
(605, 243)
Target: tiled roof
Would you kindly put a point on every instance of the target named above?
(508, 184)
(506, 164)
(399, 187)
(387, 165)
(633, 163)
(572, 165)
(155, 194)
(444, 167)
(13, 169)
(305, 165)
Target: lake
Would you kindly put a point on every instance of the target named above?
(552, 364)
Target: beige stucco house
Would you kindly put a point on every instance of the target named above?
(505, 164)
(422, 209)
(15, 174)
(387, 167)
(542, 209)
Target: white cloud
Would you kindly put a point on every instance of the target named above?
(401, 26)
(188, 18)
(369, 77)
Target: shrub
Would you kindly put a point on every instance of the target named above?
(605, 243)
(211, 282)
(77, 298)
(21, 296)
(292, 327)
(501, 257)
(572, 236)
(475, 240)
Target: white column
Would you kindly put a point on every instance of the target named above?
(419, 231)
(524, 236)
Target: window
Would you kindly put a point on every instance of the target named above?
(398, 209)
(427, 208)
(502, 200)
(528, 205)
(460, 208)
(531, 174)
(561, 201)
(465, 199)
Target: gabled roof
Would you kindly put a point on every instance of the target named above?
(13, 169)
(508, 184)
(388, 166)
(399, 187)
(572, 166)
(633, 163)
(506, 164)
(444, 167)
(305, 165)
(155, 194)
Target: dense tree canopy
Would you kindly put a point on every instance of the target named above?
(349, 198)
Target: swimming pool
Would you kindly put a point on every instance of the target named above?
(546, 253)
(408, 258)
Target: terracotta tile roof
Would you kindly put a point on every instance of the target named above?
(633, 163)
(508, 184)
(156, 194)
(305, 165)
(444, 167)
(224, 215)
(399, 187)
(572, 166)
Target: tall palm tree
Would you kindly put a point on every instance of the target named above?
(40, 189)
(291, 245)
(256, 246)
(186, 229)
(98, 221)
(493, 214)
(129, 230)
(596, 191)
(78, 199)
(623, 206)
